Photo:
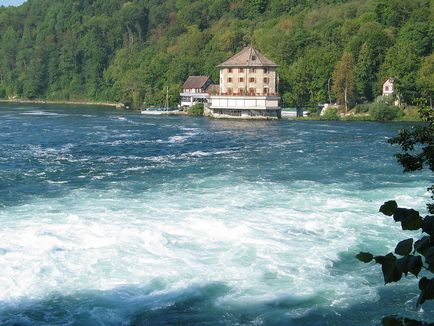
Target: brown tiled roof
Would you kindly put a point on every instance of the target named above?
(248, 57)
(195, 82)
(213, 89)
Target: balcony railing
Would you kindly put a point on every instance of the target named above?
(243, 94)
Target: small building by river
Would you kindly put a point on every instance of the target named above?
(248, 88)
(195, 90)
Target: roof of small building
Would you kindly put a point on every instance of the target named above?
(194, 82)
(248, 57)
(213, 88)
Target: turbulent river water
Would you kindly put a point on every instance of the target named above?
(112, 218)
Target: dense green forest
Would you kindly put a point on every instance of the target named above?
(127, 51)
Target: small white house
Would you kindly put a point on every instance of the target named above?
(195, 90)
(388, 87)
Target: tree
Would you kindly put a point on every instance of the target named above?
(417, 147)
(343, 80)
(425, 79)
(298, 79)
(364, 73)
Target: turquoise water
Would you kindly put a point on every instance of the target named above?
(112, 218)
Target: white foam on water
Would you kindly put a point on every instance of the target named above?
(263, 240)
(43, 113)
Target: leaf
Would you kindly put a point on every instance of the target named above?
(428, 225)
(391, 272)
(422, 245)
(427, 290)
(409, 218)
(404, 247)
(389, 207)
(399, 321)
(423, 283)
(415, 265)
(410, 264)
(429, 258)
(392, 321)
(365, 257)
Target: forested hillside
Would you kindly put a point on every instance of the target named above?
(119, 50)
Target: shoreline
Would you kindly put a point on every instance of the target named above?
(21, 101)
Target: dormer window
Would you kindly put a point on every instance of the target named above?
(253, 58)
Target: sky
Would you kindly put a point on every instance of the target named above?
(11, 2)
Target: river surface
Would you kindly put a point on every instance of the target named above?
(113, 218)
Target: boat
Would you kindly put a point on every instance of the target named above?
(160, 110)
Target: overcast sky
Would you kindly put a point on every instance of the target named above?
(11, 2)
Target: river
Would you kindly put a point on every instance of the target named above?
(109, 217)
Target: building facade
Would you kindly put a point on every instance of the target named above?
(248, 88)
(195, 90)
(388, 87)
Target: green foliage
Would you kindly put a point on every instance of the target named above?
(361, 108)
(129, 50)
(343, 81)
(196, 110)
(417, 147)
(331, 114)
(381, 110)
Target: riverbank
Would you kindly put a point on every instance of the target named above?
(22, 101)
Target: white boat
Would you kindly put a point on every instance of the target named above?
(160, 111)
(155, 111)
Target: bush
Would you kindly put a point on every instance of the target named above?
(330, 114)
(382, 111)
(361, 108)
(196, 110)
(312, 112)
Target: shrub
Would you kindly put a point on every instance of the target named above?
(196, 110)
(361, 108)
(330, 114)
(313, 112)
(382, 111)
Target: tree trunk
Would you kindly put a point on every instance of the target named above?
(299, 112)
(346, 99)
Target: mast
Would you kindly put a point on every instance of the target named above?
(167, 98)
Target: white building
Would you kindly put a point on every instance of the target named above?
(248, 88)
(195, 90)
(388, 87)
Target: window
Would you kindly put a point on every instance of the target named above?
(229, 80)
(230, 70)
(266, 91)
(252, 70)
(266, 80)
(229, 90)
(241, 70)
(253, 58)
(265, 70)
(251, 91)
(386, 88)
(241, 91)
(252, 79)
(241, 80)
